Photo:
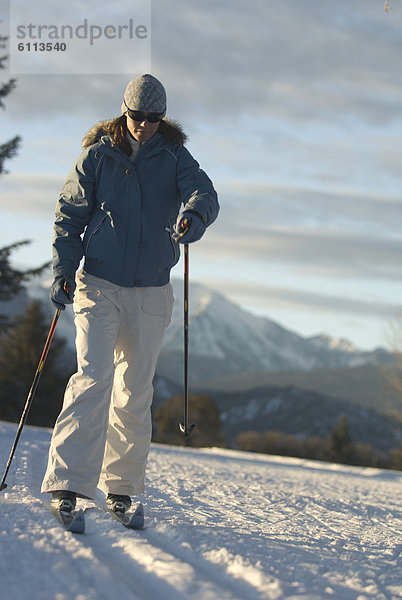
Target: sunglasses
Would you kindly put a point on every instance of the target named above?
(139, 115)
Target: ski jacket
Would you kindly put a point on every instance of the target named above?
(119, 214)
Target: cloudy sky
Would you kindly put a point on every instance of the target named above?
(294, 109)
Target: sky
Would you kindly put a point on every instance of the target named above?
(294, 109)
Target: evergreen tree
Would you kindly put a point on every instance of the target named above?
(396, 458)
(339, 445)
(9, 148)
(20, 350)
(12, 280)
(203, 412)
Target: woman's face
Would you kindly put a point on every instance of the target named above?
(142, 131)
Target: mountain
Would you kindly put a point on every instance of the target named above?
(219, 524)
(293, 410)
(369, 385)
(226, 339)
(304, 414)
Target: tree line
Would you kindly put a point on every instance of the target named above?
(337, 447)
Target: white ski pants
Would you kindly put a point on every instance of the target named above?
(103, 433)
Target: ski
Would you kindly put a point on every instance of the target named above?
(131, 519)
(71, 521)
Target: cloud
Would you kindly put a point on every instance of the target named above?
(338, 235)
(263, 296)
(310, 252)
(261, 205)
(30, 194)
(296, 61)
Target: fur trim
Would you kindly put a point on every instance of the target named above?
(172, 131)
(95, 133)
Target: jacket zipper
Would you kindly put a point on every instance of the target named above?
(173, 244)
(94, 231)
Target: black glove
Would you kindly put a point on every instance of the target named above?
(189, 227)
(62, 292)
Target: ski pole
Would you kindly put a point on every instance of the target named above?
(185, 428)
(32, 391)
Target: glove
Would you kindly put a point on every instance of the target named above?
(58, 295)
(189, 227)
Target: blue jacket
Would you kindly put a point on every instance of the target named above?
(126, 210)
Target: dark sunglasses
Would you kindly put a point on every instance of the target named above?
(139, 115)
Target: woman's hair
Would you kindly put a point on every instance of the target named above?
(117, 130)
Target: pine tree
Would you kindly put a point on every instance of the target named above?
(9, 148)
(20, 351)
(12, 280)
(339, 445)
(396, 458)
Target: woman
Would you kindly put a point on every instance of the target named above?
(124, 194)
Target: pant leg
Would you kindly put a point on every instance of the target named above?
(146, 313)
(77, 446)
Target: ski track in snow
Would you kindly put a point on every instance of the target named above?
(219, 525)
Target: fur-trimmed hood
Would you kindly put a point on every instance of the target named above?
(172, 131)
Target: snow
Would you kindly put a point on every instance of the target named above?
(220, 525)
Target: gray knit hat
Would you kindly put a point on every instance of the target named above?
(145, 93)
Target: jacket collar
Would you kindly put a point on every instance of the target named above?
(150, 148)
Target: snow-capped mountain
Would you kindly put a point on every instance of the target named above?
(225, 339)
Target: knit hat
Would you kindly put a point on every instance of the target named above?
(145, 93)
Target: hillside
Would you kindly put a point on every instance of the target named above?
(305, 414)
(370, 386)
(219, 525)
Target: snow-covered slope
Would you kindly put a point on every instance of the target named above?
(220, 525)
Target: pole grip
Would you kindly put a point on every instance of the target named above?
(185, 223)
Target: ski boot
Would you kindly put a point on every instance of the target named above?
(63, 501)
(118, 503)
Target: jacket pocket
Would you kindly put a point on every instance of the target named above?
(90, 234)
(174, 245)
